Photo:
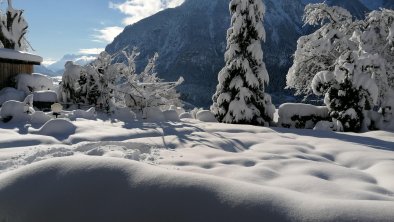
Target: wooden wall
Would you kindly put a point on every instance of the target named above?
(8, 71)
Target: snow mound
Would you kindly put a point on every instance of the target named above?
(186, 115)
(29, 83)
(124, 114)
(58, 128)
(88, 114)
(108, 189)
(206, 116)
(39, 118)
(7, 94)
(154, 114)
(45, 96)
(171, 115)
(179, 110)
(17, 111)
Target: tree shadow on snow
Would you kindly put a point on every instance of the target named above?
(362, 140)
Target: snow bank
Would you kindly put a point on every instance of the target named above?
(45, 96)
(21, 56)
(206, 116)
(7, 94)
(299, 115)
(58, 128)
(108, 189)
(29, 83)
(171, 115)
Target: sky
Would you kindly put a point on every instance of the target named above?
(59, 27)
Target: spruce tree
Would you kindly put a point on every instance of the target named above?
(240, 96)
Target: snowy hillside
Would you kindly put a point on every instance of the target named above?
(194, 171)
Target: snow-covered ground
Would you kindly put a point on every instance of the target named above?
(193, 171)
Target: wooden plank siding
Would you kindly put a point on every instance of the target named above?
(9, 70)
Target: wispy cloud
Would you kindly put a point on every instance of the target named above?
(92, 51)
(107, 34)
(135, 10)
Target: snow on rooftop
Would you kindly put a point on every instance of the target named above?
(20, 56)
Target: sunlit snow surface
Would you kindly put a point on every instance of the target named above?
(194, 171)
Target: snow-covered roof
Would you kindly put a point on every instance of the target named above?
(20, 56)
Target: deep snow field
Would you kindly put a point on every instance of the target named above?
(194, 171)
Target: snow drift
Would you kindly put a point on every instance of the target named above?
(107, 189)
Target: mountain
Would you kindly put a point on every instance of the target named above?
(388, 4)
(191, 41)
(79, 59)
(43, 70)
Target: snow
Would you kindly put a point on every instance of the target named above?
(206, 116)
(11, 94)
(39, 118)
(171, 115)
(29, 83)
(60, 128)
(21, 56)
(186, 115)
(84, 114)
(17, 111)
(45, 96)
(193, 171)
(288, 111)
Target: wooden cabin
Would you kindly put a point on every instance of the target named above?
(13, 63)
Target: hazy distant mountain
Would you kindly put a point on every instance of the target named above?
(58, 66)
(43, 70)
(191, 40)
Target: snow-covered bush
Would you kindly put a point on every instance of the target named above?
(16, 111)
(185, 115)
(13, 29)
(350, 62)
(61, 128)
(108, 85)
(39, 118)
(240, 96)
(206, 116)
(171, 115)
(84, 114)
(30, 83)
(302, 116)
(8, 93)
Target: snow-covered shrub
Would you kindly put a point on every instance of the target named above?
(302, 116)
(154, 114)
(106, 84)
(195, 111)
(30, 83)
(13, 28)
(171, 115)
(124, 114)
(329, 126)
(206, 116)
(240, 96)
(186, 115)
(84, 114)
(16, 111)
(7, 94)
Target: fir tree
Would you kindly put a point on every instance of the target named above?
(240, 97)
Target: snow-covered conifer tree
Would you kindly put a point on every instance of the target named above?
(240, 96)
(13, 28)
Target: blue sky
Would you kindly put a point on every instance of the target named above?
(59, 27)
